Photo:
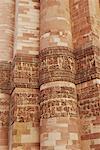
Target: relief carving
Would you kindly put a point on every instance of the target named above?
(5, 76)
(56, 63)
(91, 62)
(59, 108)
(4, 112)
(25, 74)
(60, 62)
(24, 106)
(71, 64)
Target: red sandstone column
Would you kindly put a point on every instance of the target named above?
(58, 102)
(6, 50)
(85, 18)
(24, 99)
(6, 29)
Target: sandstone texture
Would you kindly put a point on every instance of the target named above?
(49, 74)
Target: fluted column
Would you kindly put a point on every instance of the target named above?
(58, 103)
(6, 52)
(85, 18)
(4, 104)
(24, 99)
(6, 29)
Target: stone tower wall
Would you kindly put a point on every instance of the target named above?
(58, 102)
(24, 105)
(86, 40)
(6, 51)
(49, 74)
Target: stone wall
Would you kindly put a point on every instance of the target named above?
(58, 102)
(24, 105)
(7, 15)
(4, 103)
(85, 18)
(49, 75)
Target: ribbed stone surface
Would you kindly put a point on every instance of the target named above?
(24, 108)
(89, 110)
(86, 40)
(7, 16)
(49, 74)
(4, 120)
(25, 118)
(58, 100)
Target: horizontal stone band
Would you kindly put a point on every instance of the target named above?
(57, 84)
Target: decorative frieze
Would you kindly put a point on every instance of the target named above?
(88, 99)
(4, 109)
(25, 105)
(25, 71)
(57, 92)
(5, 69)
(56, 64)
(87, 64)
(58, 108)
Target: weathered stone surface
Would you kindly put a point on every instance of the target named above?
(89, 110)
(7, 15)
(50, 75)
(55, 27)
(27, 27)
(25, 71)
(88, 99)
(57, 133)
(25, 105)
(85, 18)
(5, 71)
(58, 101)
(4, 120)
(57, 78)
(87, 64)
(56, 64)
(24, 108)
